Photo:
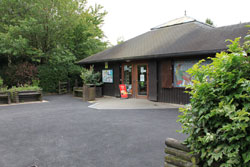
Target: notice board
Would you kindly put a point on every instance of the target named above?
(107, 76)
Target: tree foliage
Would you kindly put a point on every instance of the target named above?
(209, 21)
(59, 68)
(218, 117)
(49, 32)
(120, 40)
(1, 82)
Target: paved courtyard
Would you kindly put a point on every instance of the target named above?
(65, 132)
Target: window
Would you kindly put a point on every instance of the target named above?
(181, 77)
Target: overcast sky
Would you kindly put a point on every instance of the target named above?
(130, 18)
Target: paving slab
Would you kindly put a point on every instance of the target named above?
(108, 102)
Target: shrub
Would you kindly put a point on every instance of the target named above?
(218, 117)
(2, 87)
(20, 74)
(90, 77)
(1, 82)
(50, 75)
(23, 88)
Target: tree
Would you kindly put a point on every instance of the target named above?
(86, 37)
(120, 40)
(50, 33)
(31, 30)
(209, 21)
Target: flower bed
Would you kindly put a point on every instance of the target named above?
(27, 96)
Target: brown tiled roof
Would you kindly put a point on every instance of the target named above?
(184, 39)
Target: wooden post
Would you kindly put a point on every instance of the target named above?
(9, 99)
(176, 144)
(178, 155)
(74, 93)
(69, 88)
(40, 96)
(16, 96)
(169, 165)
(182, 154)
(59, 87)
(76, 83)
(171, 159)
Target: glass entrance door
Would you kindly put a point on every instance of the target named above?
(127, 78)
(135, 77)
(142, 80)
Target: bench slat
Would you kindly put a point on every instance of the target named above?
(31, 93)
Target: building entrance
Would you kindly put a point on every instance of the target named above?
(135, 77)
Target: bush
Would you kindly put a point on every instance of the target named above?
(24, 88)
(20, 74)
(90, 77)
(1, 82)
(218, 117)
(50, 75)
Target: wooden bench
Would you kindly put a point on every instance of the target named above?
(77, 91)
(5, 97)
(25, 96)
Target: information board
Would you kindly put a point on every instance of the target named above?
(107, 76)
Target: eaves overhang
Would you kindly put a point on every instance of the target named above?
(159, 56)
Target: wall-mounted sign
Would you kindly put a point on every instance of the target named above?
(107, 76)
(106, 65)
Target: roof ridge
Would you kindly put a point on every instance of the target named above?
(233, 25)
(154, 28)
(177, 21)
(209, 25)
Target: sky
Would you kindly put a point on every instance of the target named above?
(129, 18)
